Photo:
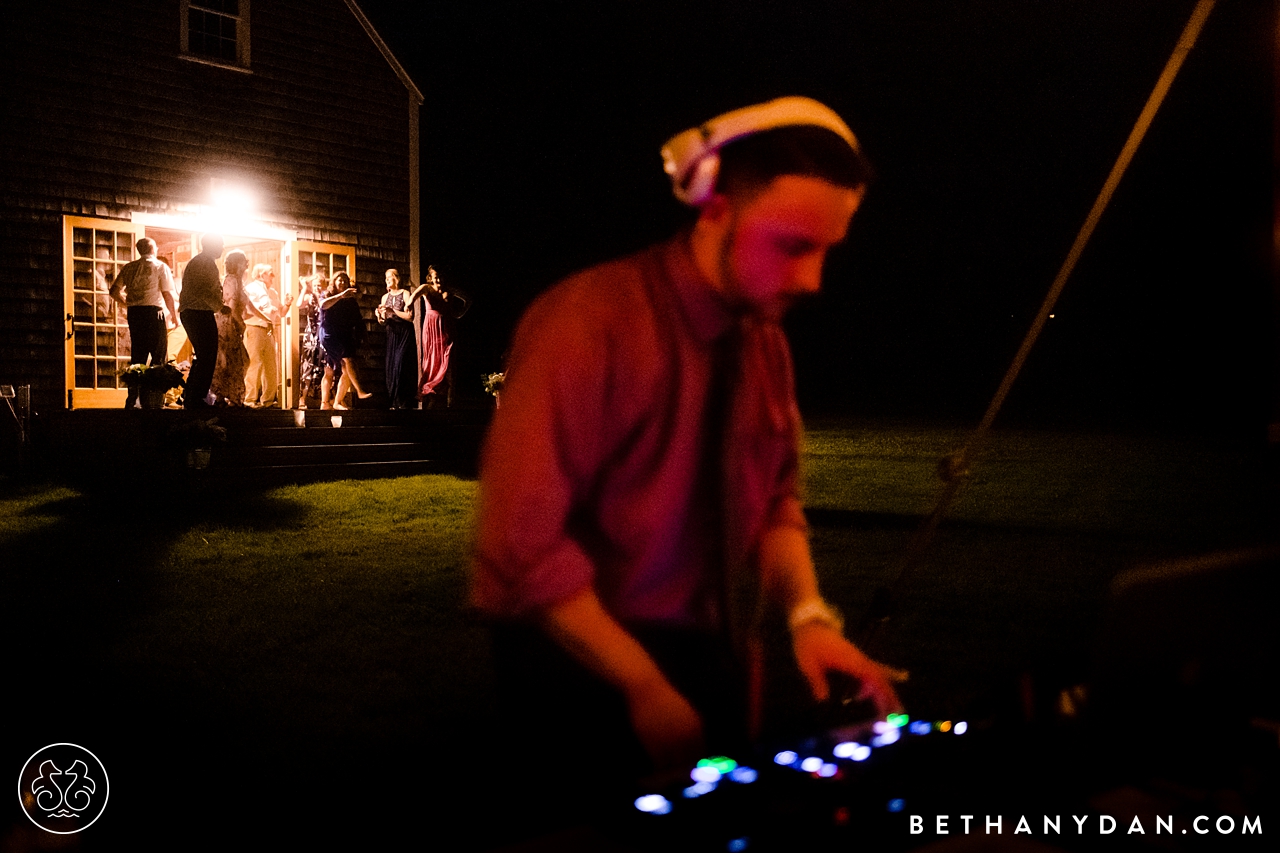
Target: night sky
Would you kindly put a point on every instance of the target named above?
(992, 126)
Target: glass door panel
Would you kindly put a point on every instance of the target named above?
(97, 328)
(303, 259)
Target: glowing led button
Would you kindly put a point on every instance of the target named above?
(944, 726)
(653, 804)
(705, 774)
(826, 771)
(845, 750)
(786, 758)
(862, 753)
(719, 762)
(920, 727)
(743, 775)
(897, 804)
(898, 720)
(811, 765)
(888, 736)
(961, 727)
(737, 845)
(697, 789)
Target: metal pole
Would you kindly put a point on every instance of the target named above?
(954, 468)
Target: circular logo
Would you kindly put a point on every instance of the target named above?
(63, 788)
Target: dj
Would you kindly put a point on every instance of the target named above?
(639, 506)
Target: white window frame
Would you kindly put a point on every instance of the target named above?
(242, 34)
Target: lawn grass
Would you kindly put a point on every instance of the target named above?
(1017, 578)
(326, 624)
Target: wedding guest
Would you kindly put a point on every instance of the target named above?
(438, 310)
(148, 290)
(201, 300)
(264, 310)
(395, 312)
(312, 366)
(340, 323)
(227, 385)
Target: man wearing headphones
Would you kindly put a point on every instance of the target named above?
(639, 508)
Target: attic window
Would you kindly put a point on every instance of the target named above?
(216, 31)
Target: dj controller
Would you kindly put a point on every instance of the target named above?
(856, 787)
(903, 784)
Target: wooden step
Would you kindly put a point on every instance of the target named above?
(261, 444)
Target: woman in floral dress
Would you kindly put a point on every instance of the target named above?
(312, 368)
(227, 386)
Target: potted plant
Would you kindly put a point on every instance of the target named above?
(196, 438)
(152, 381)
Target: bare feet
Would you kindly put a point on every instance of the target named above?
(340, 407)
(364, 395)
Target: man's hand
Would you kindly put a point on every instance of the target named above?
(663, 720)
(820, 649)
(666, 724)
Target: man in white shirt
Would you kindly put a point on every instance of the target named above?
(147, 286)
(263, 312)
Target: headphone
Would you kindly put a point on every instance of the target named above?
(692, 157)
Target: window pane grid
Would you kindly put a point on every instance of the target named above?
(100, 325)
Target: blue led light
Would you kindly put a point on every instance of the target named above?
(862, 753)
(897, 805)
(811, 765)
(705, 774)
(920, 727)
(826, 771)
(786, 758)
(737, 845)
(844, 750)
(697, 789)
(890, 735)
(743, 775)
(961, 727)
(653, 804)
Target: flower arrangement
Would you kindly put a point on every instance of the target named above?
(153, 377)
(493, 382)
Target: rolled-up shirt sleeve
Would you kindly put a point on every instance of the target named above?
(541, 456)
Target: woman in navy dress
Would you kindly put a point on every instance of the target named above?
(402, 357)
(340, 322)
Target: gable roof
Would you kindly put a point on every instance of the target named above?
(372, 32)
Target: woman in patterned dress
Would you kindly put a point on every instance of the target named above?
(233, 359)
(312, 367)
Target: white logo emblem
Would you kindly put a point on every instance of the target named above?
(63, 788)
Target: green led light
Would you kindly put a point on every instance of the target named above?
(898, 720)
(719, 762)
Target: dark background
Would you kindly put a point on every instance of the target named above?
(992, 124)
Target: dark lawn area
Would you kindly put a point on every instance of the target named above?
(291, 665)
